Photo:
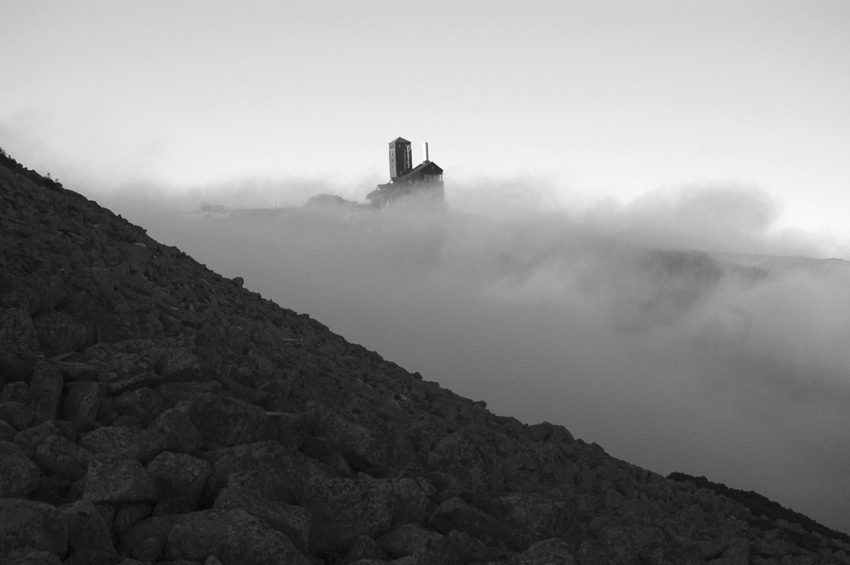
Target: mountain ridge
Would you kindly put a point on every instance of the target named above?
(147, 401)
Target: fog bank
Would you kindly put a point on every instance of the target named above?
(679, 331)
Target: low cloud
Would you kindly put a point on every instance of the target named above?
(680, 331)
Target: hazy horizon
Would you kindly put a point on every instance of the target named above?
(728, 366)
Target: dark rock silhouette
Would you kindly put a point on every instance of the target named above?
(152, 411)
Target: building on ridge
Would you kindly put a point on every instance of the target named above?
(424, 181)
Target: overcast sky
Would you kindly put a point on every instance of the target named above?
(598, 98)
(580, 134)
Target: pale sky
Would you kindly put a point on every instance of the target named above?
(596, 100)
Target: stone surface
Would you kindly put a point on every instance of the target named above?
(181, 435)
(233, 536)
(86, 528)
(345, 509)
(18, 474)
(229, 421)
(82, 402)
(46, 389)
(114, 479)
(179, 479)
(60, 457)
(127, 442)
(291, 520)
(34, 525)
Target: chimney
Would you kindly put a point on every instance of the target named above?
(426, 152)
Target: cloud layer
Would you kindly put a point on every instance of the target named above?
(661, 329)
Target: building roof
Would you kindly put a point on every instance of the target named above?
(399, 139)
(424, 168)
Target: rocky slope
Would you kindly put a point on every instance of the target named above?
(153, 411)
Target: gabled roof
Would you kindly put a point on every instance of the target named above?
(399, 139)
(426, 167)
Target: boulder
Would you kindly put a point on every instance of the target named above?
(345, 509)
(34, 525)
(86, 528)
(534, 514)
(17, 331)
(179, 479)
(267, 466)
(29, 439)
(16, 391)
(58, 456)
(363, 450)
(31, 557)
(18, 474)
(16, 414)
(467, 464)
(7, 432)
(233, 536)
(146, 539)
(293, 521)
(229, 421)
(408, 539)
(144, 404)
(141, 445)
(82, 402)
(114, 479)
(46, 389)
(181, 435)
(545, 552)
(59, 333)
(456, 514)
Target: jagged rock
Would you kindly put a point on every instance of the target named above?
(133, 382)
(467, 547)
(141, 445)
(18, 474)
(59, 333)
(345, 509)
(533, 514)
(94, 557)
(545, 552)
(16, 414)
(129, 515)
(363, 450)
(7, 432)
(146, 539)
(229, 421)
(264, 466)
(408, 539)
(181, 435)
(17, 391)
(179, 479)
(365, 549)
(455, 514)
(29, 439)
(46, 389)
(86, 528)
(17, 332)
(58, 456)
(33, 525)
(233, 536)
(82, 402)
(144, 404)
(113, 479)
(31, 557)
(466, 465)
(293, 521)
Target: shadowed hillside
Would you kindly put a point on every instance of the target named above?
(154, 411)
